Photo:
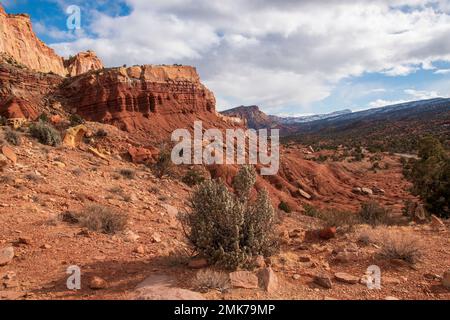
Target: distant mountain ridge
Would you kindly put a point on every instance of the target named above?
(395, 128)
(257, 119)
(303, 119)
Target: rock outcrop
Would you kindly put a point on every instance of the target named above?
(24, 93)
(19, 41)
(19, 45)
(82, 63)
(154, 99)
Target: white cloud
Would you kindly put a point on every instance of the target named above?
(274, 53)
(412, 95)
(442, 71)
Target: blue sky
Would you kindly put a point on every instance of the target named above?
(288, 57)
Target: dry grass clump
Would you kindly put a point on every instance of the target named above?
(393, 244)
(128, 174)
(98, 218)
(208, 279)
(401, 246)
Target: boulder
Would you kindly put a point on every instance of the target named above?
(198, 263)
(98, 283)
(446, 279)
(243, 279)
(327, 233)
(161, 287)
(304, 194)
(6, 256)
(9, 153)
(346, 278)
(437, 223)
(269, 280)
(74, 136)
(323, 280)
(367, 191)
(141, 155)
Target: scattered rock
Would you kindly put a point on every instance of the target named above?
(46, 246)
(327, 233)
(260, 262)
(357, 190)
(59, 164)
(130, 236)
(11, 295)
(9, 153)
(139, 249)
(243, 279)
(269, 280)
(304, 258)
(296, 277)
(378, 191)
(323, 280)
(160, 287)
(295, 234)
(198, 263)
(437, 223)
(446, 279)
(171, 211)
(74, 136)
(9, 280)
(367, 191)
(304, 194)
(156, 237)
(6, 256)
(25, 240)
(345, 257)
(391, 298)
(97, 283)
(391, 281)
(346, 278)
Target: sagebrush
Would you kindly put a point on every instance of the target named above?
(229, 229)
(45, 133)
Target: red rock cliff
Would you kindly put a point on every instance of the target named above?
(82, 63)
(155, 99)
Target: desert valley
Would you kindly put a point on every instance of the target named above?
(86, 181)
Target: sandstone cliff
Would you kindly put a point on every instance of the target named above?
(19, 42)
(153, 99)
(82, 63)
(25, 93)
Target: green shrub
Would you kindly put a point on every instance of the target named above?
(373, 214)
(76, 120)
(431, 176)
(284, 206)
(163, 164)
(101, 133)
(311, 211)
(45, 134)
(227, 229)
(244, 181)
(13, 137)
(193, 177)
(43, 117)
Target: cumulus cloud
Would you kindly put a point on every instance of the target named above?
(274, 54)
(411, 94)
